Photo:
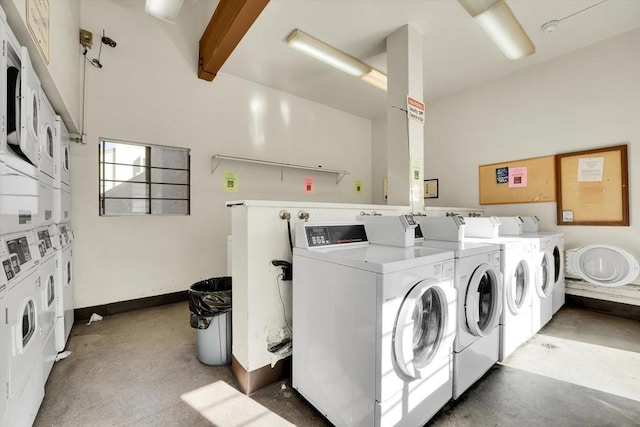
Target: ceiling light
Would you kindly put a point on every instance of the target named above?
(336, 58)
(501, 25)
(167, 10)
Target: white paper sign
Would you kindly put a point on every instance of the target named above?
(590, 169)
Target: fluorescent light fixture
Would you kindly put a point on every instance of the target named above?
(376, 78)
(336, 58)
(501, 25)
(167, 10)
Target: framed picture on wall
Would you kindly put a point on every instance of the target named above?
(431, 188)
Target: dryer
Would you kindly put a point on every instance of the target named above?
(478, 283)
(19, 150)
(61, 156)
(46, 138)
(373, 328)
(46, 191)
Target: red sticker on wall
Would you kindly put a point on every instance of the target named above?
(308, 185)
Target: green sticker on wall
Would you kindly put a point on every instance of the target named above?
(230, 182)
(358, 186)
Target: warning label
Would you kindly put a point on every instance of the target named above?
(415, 110)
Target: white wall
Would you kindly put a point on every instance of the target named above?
(148, 92)
(61, 77)
(587, 99)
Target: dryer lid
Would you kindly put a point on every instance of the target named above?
(603, 265)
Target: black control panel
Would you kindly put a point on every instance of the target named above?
(20, 247)
(324, 235)
(44, 235)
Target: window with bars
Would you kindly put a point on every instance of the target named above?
(143, 179)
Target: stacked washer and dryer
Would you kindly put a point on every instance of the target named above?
(375, 322)
(31, 158)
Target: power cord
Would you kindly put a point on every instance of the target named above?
(284, 311)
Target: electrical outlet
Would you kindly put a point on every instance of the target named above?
(86, 38)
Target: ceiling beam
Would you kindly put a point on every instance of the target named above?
(229, 23)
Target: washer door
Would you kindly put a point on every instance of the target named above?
(483, 301)
(29, 111)
(517, 287)
(603, 265)
(420, 327)
(544, 275)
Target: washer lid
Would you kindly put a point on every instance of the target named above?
(603, 265)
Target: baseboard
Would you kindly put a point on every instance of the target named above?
(81, 314)
(253, 381)
(604, 306)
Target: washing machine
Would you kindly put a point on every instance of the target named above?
(547, 264)
(24, 346)
(478, 283)
(3, 356)
(48, 271)
(602, 265)
(19, 253)
(62, 238)
(515, 266)
(373, 327)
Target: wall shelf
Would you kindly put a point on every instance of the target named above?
(218, 158)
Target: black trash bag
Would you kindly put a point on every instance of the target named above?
(207, 299)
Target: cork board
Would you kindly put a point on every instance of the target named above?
(518, 181)
(592, 187)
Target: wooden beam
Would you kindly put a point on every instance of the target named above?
(229, 23)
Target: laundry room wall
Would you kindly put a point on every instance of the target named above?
(147, 91)
(61, 76)
(587, 99)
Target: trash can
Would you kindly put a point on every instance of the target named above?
(210, 306)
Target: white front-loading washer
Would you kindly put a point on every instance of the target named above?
(24, 346)
(3, 355)
(478, 283)
(517, 273)
(48, 270)
(373, 327)
(64, 285)
(545, 264)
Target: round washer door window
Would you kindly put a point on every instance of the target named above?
(518, 287)
(420, 327)
(49, 146)
(482, 303)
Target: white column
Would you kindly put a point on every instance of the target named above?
(405, 136)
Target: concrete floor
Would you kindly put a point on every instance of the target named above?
(131, 369)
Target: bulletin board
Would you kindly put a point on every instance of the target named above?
(499, 183)
(592, 187)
